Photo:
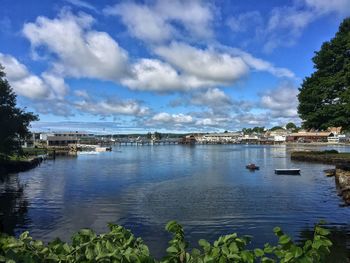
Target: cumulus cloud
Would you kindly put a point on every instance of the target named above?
(112, 107)
(212, 97)
(29, 85)
(81, 51)
(158, 76)
(281, 102)
(173, 118)
(205, 64)
(158, 22)
(262, 65)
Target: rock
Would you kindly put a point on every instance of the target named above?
(330, 172)
(342, 175)
(344, 181)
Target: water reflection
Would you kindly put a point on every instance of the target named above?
(205, 187)
(13, 204)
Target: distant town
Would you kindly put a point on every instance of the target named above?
(77, 140)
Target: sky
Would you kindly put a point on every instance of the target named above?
(165, 65)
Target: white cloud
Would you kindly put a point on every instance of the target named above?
(142, 22)
(112, 107)
(286, 24)
(82, 94)
(158, 22)
(83, 4)
(57, 84)
(214, 98)
(158, 76)
(281, 102)
(81, 51)
(262, 65)
(164, 117)
(341, 7)
(204, 64)
(23, 82)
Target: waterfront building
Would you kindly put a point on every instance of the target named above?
(226, 137)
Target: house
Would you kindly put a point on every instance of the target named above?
(61, 140)
(188, 139)
(277, 136)
(64, 138)
(304, 136)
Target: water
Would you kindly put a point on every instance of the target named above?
(204, 187)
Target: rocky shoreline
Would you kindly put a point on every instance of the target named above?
(341, 171)
(342, 179)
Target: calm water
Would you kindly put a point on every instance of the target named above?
(204, 187)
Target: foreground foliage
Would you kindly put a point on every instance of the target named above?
(120, 245)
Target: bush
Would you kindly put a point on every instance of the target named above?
(330, 151)
(120, 245)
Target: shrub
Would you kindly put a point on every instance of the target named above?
(120, 245)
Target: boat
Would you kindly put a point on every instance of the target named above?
(87, 152)
(252, 167)
(287, 171)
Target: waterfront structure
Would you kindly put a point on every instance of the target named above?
(64, 138)
(277, 136)
(217, 138)
(332, 135)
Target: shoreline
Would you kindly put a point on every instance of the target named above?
(16, 166)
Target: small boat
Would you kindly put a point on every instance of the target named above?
(87, 153)
(287, 171)
(252, 167)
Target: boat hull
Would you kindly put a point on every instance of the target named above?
(288, 171)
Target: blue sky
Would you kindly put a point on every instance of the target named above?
(169, 66)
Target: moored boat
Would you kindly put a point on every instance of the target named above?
(287, 171)
(252, 167)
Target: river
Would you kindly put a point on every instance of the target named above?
(204, 187)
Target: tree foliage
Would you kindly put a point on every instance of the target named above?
(324, 98)
(14, 121)
(276, 128)
(120, 245)
(253, 130)
(291, 126)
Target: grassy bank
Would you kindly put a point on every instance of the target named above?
(327, 157)
(30, 158)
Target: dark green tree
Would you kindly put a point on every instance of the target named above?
(276, 128)
(324, 98)
(14, 122)
(291, 126)
(158, 135)
(258, 129)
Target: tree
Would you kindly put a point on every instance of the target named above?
(291, 126)
(14, 121)
(276, 128)
(324, 98)
(258, 129)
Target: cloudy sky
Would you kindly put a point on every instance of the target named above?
(171, 66)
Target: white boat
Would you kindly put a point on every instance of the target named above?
(87, 153)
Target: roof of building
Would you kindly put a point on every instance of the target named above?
(310, 134)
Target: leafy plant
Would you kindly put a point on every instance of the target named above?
(120, 245)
